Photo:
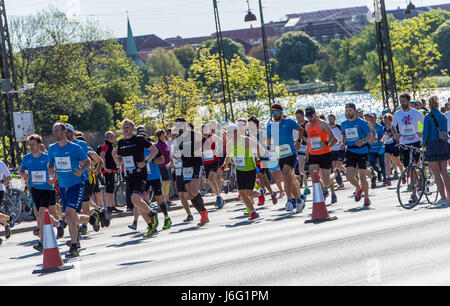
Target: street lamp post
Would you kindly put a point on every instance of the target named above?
(268, 71)
(223, 65)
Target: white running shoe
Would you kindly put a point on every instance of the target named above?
(289, 206)
(300, 206)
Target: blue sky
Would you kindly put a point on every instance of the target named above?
(187, 18)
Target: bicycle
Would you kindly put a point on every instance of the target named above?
(420, 181)
(120, 192)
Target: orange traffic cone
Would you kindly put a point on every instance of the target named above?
(320, 212)
(52, 258)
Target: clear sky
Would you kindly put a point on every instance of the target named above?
(187, 18)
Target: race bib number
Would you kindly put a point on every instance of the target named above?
(352, 134)
(208, 155)
(239, 162)
(285, 150)
(178, 167)
(302, 148)
(128, 162)
(63, 164)
(188, 173)
(38, 177)
(337, 147)
(387, 139)
(316, 143)
(149, 170)
(408, 131)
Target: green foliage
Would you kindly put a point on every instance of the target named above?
(185, 56)
(310, 72)
(231, 49)
(164, 63)
(295, 50)
(442, 37)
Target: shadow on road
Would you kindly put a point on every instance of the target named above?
(134, 263)
(192, 228)
(358, 209)
(127, 243)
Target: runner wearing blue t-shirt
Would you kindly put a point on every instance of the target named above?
(69, 162)
(377, 150)
(280, 134)
(356, 135)
(34, 170)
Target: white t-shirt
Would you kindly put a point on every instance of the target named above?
(337, 132)
(407, 125)
(4, 173)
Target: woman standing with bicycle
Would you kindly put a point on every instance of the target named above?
(435, 136)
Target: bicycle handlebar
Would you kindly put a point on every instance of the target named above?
(406, 147)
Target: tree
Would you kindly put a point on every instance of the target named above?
(258, 51)
(442, 38)
(310, 72)
(164, 63)
(293, 51)
(230, 49)
(185, 56)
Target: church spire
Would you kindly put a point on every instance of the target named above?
(132, 51)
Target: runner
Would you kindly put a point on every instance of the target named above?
(243, 148)
(262, 161)
(222, 153)
(406, 127)
(301, 152)
(356, 135)
(164, 168)
(109, 171)
(44, 196)
(69, 161)
(5, 220)
(392, 155)
(337, 154)
(281, 131)
(130, 153)
(376, 151)
(211, 162)
(320, 141)
(188, 148)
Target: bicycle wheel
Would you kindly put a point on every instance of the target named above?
(120, 195)
(9, 206)
(431, 190)
(410, 193)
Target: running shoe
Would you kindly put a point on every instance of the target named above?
(189, 218)
(306, 191)
(281, 195)
(261, 198)
(274, 198)
(367, 202)
(69, 244)
(374, 182)
(253, 215)
(104, 219)
(387, 182)
(151, 232)
(60, 230)
(290, 205)
(379, 177)
(247, 212)
(83, 229)
(333, 199)
(395, 175)
(226, 188)
(155, 221)
(219, 202)
(167, 223)
(39, 247)
(204, 218)
(94, 220)
(73, 252)
(413, 199)
(116, 211)
(338, 178)
(325, 192)
(8, 232)
(341, 186)
(133, 226)
(12, 220)
(300, 205)
(358, 195)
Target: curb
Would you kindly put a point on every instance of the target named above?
(120, 215)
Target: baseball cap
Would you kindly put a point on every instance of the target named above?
(309, 111)
(350, 105)
(141, 130)
(69, 127)
(415, 102)
(384, 112)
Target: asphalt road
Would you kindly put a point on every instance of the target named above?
(383, 245)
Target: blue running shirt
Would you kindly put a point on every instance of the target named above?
(38, 171)
(377, 146)
(66, 159)
(281, 135)
(152, 168)
(85, 148)
(354, 131)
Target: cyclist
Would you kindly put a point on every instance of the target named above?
(44, 196)
(69, 161)
(320, 141)
(188, 148)
(280, 132)
(406, 126)
(130, 153)
(356, 135)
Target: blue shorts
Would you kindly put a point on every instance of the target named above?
(72, 197)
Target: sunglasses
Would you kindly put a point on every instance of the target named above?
(276, 112)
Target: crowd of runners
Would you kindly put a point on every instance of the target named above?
(364, 148)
